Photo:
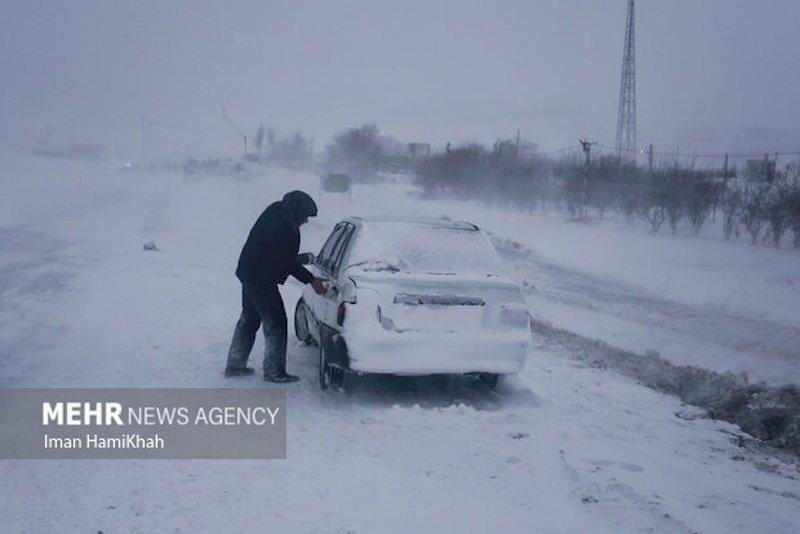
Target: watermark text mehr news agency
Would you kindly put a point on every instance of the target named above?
(113, 414)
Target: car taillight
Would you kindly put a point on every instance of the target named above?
(514, 317)
(340, 313)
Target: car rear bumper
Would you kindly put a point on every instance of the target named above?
(412, 354)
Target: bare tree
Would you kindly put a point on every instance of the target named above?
(776, 211)
(701, 195)
(793, 203)
(674, 183)
(290, 151)
(575, 178)
(753, 213)
(652, 208)
(732, 201)
(357, 150)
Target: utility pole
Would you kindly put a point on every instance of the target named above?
(650, 158)
(227, 119)
(516, 145)
(587, 151)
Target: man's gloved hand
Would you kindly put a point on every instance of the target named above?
(306, 258)
(318, 285)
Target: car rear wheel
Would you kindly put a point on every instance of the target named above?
(301, 329)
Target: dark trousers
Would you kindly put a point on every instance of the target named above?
(260, 307)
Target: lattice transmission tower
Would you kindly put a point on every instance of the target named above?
(626, 117)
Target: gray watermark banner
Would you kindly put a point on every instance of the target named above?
(142, 424)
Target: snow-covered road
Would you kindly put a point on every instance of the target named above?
(579, 449)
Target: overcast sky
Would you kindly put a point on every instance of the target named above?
(427, 71)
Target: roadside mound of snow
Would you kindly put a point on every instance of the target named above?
(771, 414)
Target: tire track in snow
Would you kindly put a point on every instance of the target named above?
(34, 272)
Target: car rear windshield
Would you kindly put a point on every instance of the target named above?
(422, 248)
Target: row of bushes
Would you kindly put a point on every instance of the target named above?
(668, 194)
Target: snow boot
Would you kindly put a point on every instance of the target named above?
(281, 378)
(238, 371)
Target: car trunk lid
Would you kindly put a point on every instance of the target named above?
(439, 302)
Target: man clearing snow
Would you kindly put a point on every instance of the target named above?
(268, 257)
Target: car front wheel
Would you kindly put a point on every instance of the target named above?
(490, 380)
(330, 375)
(301, 323)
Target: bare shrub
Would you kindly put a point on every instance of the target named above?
(793, 208)
(732, 201)
(701, 194)
(497, 176)
(753, 208)
(292, 151)
(356, 150)
(776, 212)
(455, 172)
(652, 208)
(629, 189)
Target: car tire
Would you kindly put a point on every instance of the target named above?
(301, 329)
(330, 376)
(324, 381)
(490, 380)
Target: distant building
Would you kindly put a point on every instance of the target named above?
(419, 150)
(760, 169)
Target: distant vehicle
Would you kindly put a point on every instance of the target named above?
(335, 183)
(413, 297)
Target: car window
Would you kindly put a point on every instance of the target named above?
(341, 247)
(409, 247)
(323, 258)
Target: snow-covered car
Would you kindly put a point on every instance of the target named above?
(413, 297)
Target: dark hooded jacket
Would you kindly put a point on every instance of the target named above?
(269, 255)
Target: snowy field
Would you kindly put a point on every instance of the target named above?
(573, 448)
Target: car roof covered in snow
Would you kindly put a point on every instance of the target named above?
(433, 223)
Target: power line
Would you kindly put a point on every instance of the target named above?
(688, 138)
(713, 156)
(554, 150)
(226, 118)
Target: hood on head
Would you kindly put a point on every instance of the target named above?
(300, 205)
